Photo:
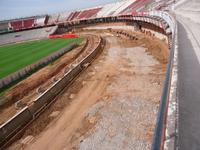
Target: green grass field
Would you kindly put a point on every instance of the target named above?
(16, 56)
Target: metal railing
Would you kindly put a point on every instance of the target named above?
(159, 134)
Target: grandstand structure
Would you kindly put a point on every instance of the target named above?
(121, 8)
(113, 9)
(40, 27)
(23, 23)
(4, 27)
(27, 35)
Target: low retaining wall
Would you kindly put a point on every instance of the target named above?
(14, 125)
(27, 70)
(166, 24)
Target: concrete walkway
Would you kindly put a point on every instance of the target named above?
(189, 84)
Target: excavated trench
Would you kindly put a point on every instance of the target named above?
(27, 90)
(113, 104)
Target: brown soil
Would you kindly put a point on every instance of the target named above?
(71, 125)
(26, 89)
(154, 46)
(22, 89)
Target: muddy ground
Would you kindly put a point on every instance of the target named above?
(113, 104)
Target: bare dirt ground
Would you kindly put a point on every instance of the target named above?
(26, 90)
(112, 105)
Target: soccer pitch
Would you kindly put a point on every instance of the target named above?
(14, 57)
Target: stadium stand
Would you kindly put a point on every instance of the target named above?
(70, 16)
(123, 5)
(46, 20)
(53, 18)
(135, 6)
(4, 27)
(22, 24)
(88, 13)
(16, 25)
(40, 21)
(144, 6)
(29, 23)
(162, 5)
(105, 10)
(115, 7)
(73, 15)
(63, 16)
(27, 35)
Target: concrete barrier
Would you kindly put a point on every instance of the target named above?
(14, 124)
(47, 97)
(27, 70)
(28, 114)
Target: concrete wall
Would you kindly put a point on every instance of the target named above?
(27, 70)
(14, 124)
(26, 115)
(10, 128)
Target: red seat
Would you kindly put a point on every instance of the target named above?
(28, 23)
(134, 6)
(22, 24)
(16, 25)
(88, 13)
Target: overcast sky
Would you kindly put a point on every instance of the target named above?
(10, 9)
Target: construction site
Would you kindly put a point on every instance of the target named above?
(113, 84)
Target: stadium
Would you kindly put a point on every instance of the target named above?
(123, 75)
